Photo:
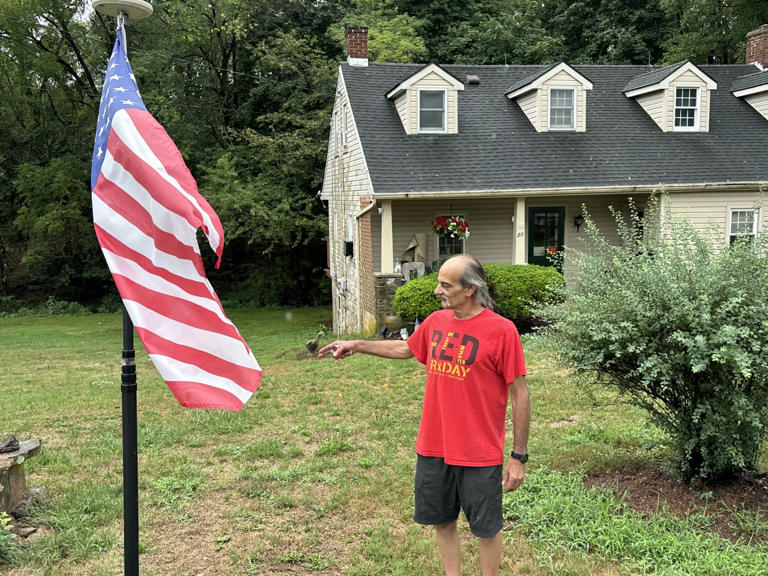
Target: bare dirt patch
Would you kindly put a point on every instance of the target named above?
(649, 489)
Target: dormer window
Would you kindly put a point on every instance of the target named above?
(754, 89)
(553, 98)
(427, 102)
(431, 110)
(687, 109)
(675, 97)
(561, 108)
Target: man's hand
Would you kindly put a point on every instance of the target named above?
(514, 472)
(338, 350)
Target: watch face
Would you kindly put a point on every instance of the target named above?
(522, 457)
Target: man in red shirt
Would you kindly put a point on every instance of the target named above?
(474, 362)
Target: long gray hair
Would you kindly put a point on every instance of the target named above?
(474, 275)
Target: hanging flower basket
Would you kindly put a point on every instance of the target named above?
(453, 226)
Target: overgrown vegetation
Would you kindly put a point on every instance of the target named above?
(516, 289)
(678, 324)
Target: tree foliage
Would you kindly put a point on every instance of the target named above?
(677, 324)
(245, 89)
(711, 31)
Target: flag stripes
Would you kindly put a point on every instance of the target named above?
(146, 211)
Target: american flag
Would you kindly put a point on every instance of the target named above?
(146, 212)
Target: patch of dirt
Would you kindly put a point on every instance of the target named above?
(649, 489)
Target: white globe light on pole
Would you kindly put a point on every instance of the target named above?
(134, 9)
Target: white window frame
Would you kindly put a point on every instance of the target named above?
(755, 224)
(343, 131)
(572, 127)
(696, 109)
(439, 236)
(442, 130)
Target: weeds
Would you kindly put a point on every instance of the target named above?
(7, 537)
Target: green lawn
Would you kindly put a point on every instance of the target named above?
(314, 475)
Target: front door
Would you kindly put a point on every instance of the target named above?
(546, 230)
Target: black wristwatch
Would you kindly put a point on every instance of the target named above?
(522, 457)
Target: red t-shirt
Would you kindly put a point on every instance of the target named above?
(470, 364)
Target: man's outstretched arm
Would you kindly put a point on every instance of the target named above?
(397, 349)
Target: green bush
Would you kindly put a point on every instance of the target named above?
(518, 289)
(679, 324)
(515, 288)
(416, 299)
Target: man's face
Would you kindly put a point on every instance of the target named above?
(449, 289)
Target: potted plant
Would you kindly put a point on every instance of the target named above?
(453, 226)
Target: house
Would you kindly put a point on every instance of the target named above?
(517, 150)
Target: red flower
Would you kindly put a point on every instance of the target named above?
(453, 226)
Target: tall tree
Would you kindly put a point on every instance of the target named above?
(501, 32)
(608, 31)
(712, 31)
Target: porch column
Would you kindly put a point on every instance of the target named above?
(387, 251)
(519, 231)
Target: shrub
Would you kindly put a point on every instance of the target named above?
(515, 288)
(678, 324)
(518, 289)
(416, 299)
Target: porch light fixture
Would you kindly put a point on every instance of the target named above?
(578, 221)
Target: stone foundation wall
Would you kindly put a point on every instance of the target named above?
(385, 287)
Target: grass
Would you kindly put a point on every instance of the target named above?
(314, 475)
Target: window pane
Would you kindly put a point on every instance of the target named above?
(448, 247)
(685, 117)
(432, 99)
(561, 109)
(686, 97)
(431, 119)
(742, 222)
(562, 98)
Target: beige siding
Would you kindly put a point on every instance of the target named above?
(760, 103)
(431, 81)
(401, 105)
(687, 80)
(653, 104)
(563, 80)
(346, 180)
(709, 212)
(529, 104)
(599, 209)
(491, 227)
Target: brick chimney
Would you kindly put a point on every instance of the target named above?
(757, 46)
(357, 46)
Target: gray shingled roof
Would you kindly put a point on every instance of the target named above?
(525, 80)
(497, 148)
(751, 81)
(653, 77)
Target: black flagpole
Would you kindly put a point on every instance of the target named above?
(130, 453)
(122, 10)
